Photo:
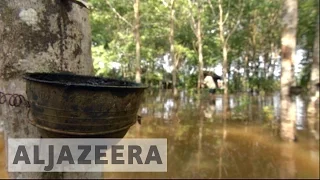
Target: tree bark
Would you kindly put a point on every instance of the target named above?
(247, 70)
(138, 41)
(172, 52)
(288, 43)
(224, 41)
(225, 58)
(196, 28)
(199, 38)
(40, 36)
(313, 109)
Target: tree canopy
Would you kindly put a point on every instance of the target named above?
(251, 28)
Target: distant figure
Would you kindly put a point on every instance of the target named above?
(220, 84)
(210, 83)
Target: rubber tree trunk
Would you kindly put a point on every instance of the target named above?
(138, 41)
(313, 109)
(288, 46)
(40, 36)
(225, 80)
(172, 53)
(199, 38)
(225, 59)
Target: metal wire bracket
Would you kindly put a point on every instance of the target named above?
(14, 100)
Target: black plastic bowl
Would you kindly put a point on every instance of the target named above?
(67, 105)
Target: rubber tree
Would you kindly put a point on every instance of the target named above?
(136, 32)
(313, 109)
(40, 36)
(196, 27)
(226, 30)
(172, 50)
(288, 47)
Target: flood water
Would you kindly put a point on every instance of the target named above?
(203, 143)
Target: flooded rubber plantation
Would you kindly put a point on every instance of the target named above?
(205, 143)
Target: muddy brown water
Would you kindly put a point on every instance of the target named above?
(203, 144)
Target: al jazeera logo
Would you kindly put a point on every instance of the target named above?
(87, 155)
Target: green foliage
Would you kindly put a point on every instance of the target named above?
(308, 12)
(305, 75)
(192, 81)
(268, 113)
(100, 60)
(308, 16)
(258, 33)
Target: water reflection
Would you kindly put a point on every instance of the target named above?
(209, 111)
(300, 112)
(204, 143)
